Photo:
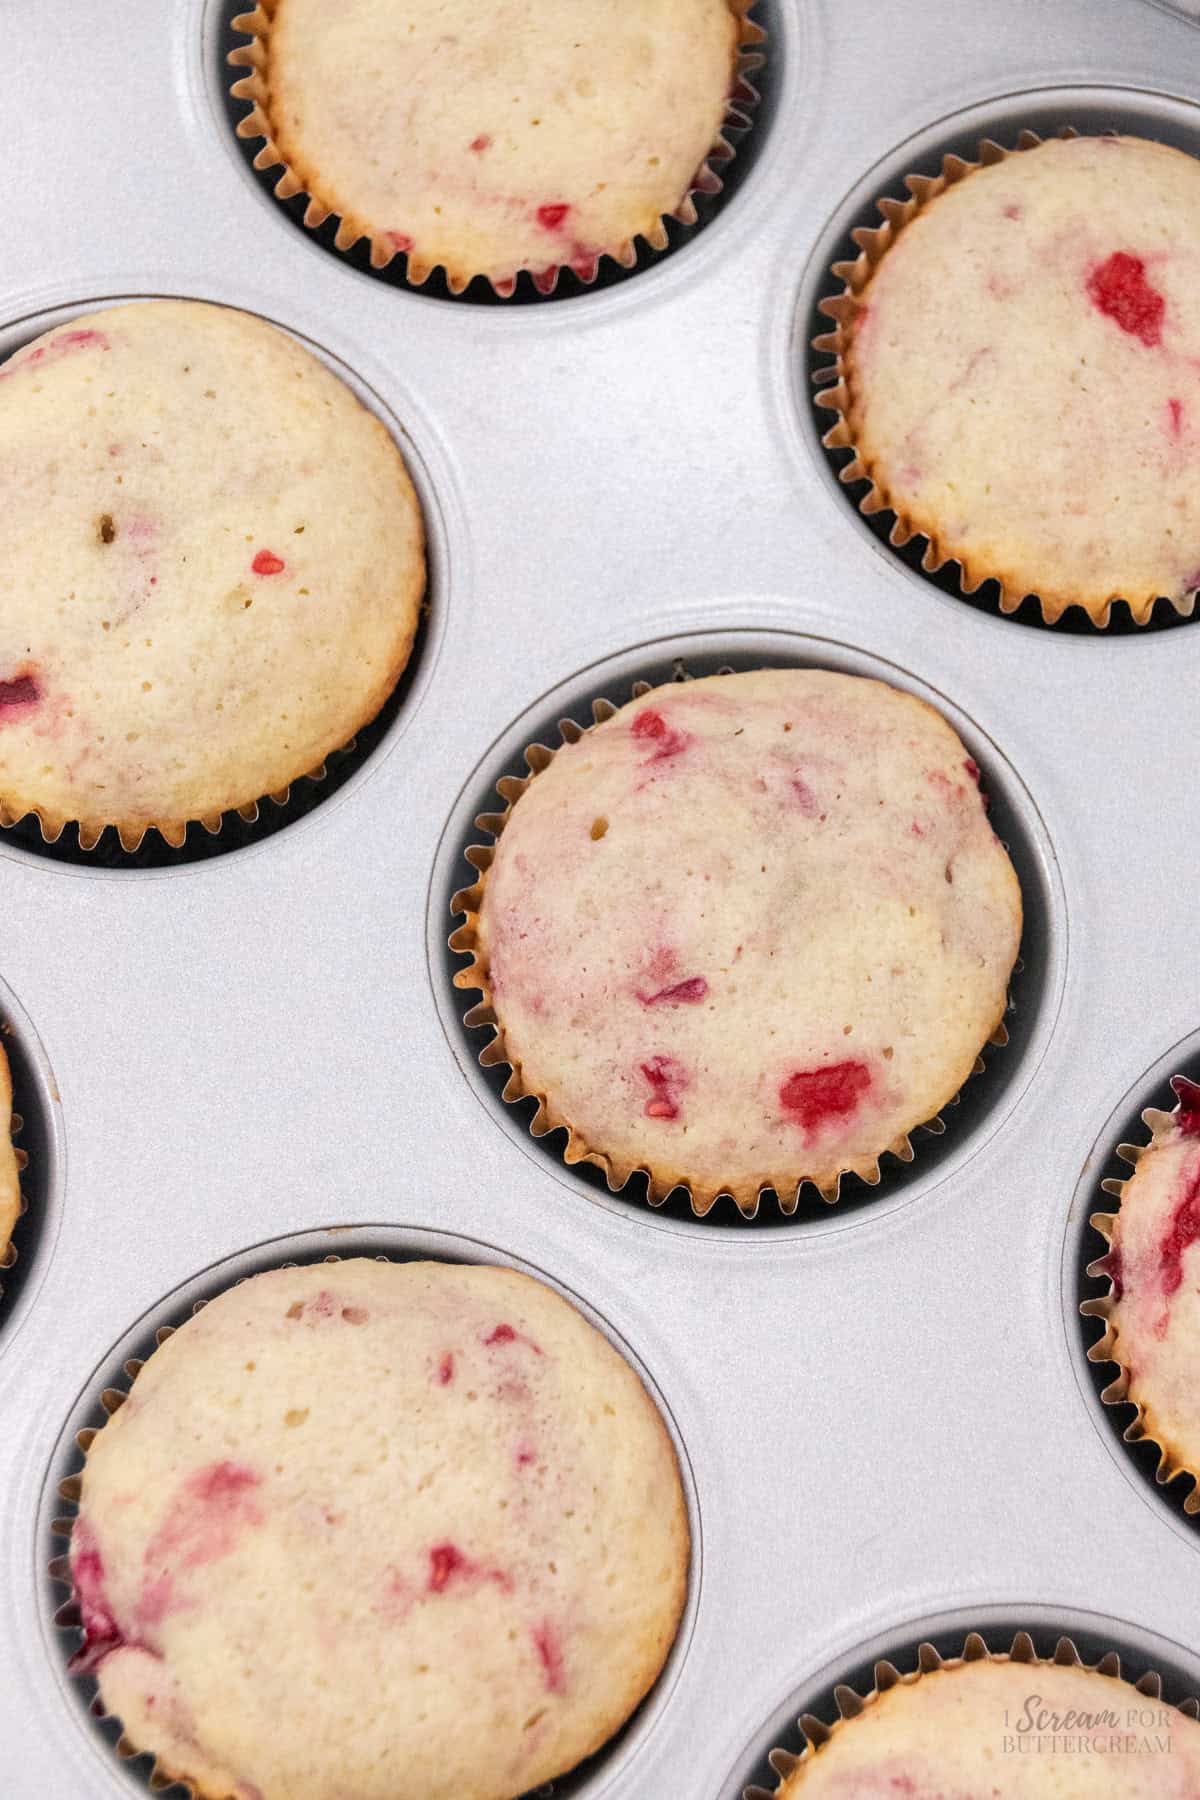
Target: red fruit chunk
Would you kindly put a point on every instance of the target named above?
(549, 1649)
(445, 1560)
(267, 563)
(1175, 412)
(400, 241)
(684, 993)
(480, 143)
(1183, 1231)
(504, 1334)
(100, 1629)
(805, 798)
(651, 727)
(19, 693)
(1118, 288)
(1187, 1116)
(1112, 1265)
(446, 1369)
(817, 1096)
(666, 1077)
(551, 217)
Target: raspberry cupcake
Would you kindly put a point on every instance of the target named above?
(375, 1528)
(1008, 314)
(1011, 1727)
(1153, 1306)
(526, 138)
(747, 932)
(10, 1184)
(213, 574)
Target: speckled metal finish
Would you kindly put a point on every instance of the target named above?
(888, 1423)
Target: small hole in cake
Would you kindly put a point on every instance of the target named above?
(599, 827)
(106, 531)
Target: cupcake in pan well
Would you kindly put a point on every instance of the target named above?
(10, 1182)
(1011, 1727)
(213, 571)
(397, 1531)
(490, 139)
(747, 932)
(1015, 369)
(1153, 1306)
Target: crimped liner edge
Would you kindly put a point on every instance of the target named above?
(254, 88)
(834, 390)
(851, 1703)
(618, 1172)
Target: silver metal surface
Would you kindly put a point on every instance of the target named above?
(885, 1409)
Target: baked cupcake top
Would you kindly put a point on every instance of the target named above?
(1022, 374)
(497, 138)
(10, 1185)
(375, 1529)
(1008, 1730)
(751, 930)
(213, 569)
(1154, 1267)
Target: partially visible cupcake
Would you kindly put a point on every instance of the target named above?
(1015, 359)
(748, 932)
(1153, 1308)
(495, 139)
(10, 1184)
(1010, 1728)
(380, 1530)
(213, 569)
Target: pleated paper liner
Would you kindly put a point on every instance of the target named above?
(9, 1253)
(343, 232)
(746, 1194)
(1141, 1428)
(834, 394)
(68, 1617)
(817, 1732)
(109, 845)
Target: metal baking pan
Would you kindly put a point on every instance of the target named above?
(888, 1424)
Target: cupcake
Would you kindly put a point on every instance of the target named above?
(748, 932)
(213, 571)
(1011, 1728)
(1153, 1307)
(10, 1185)
(495, 140)
(1016, 352)
(378, 1529)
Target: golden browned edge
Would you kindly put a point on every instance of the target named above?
(297, 178)
(14, 806)
(12, 1201)
(646, 1660)
(746, 1193)
(1143, 1428)
(851, 1704)
(839, 397)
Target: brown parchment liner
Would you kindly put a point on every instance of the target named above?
(851, 1704)
(68, 1616)
(172, 831)
(747, 1193)
(835, 395)
(257, 123)
(8, 1251)
(1142, 1428)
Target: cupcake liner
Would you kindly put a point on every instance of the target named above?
(10, 1253)
(1142, 1428)
(850, 1703)
(746, 1194)
(173, 832)
(253, 88)
(834, 395)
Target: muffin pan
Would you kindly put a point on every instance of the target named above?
(889, 1424)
